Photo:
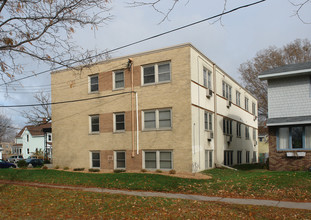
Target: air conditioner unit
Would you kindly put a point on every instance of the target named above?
(255, 117)
(228, 103)
(209, 93)
(255, 143)
(229, 138)
(210, 135)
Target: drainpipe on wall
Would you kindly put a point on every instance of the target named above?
(131, 65)
(215, 115)
(137, 128)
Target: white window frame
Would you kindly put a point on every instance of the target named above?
(208, 121)
(227, 126)
(209, 159)
(90, 124)
(247, 156)
(158, 165)
(156, 73)
(254, 134)
(253, 108)
(115, 121)
(238, 129)
(91, 159)
(246, 132)
(238, 98)
(246, 100)
(89, 83)
(114, 79)
(228, 157)
(239, 157)
(157, 121)
(226, 91)
(115, 160)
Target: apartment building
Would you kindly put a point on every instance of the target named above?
(289, 116)
(171, 108)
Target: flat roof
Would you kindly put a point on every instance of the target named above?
(286, 70)
(298, 120)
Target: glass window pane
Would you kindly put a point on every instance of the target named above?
(165, 165)
(120, 118)
(308, 136)
(149, 116)
(150, 124)
(149, 76)
(150, 155)
(119, 76)
(95, 155)
(165, 124)
(121, 164)
(150, 164)
(164, 77)
(164, 68)
(283, 138)
(96, 163)
(210, 159)
(164, 114)
(150, 160)
(165, 155)
(297, 137)
(120, 155)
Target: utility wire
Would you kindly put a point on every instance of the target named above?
(140, 41)
(63, 102)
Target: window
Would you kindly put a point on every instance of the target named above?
(228, 158)
(27, 137)
(93, 83)
(295, 137)
(239, 157)
(254, 134)
(238, 98)
(208, 159)
(246, 132)
(119, 80)
(260, 139)
(246, 104)
(247, 156)
(119, 119)
(253, 108)
(94, 123)
(120, 160)
(27, 150)
(207, 78)
(156, 73)
(226, 91)
(95, 157)
(157, 119)
(238, 129)
(158, 160)
(227, 126)
(49, 137)
(208, 121)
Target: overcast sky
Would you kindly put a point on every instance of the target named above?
(241, 36)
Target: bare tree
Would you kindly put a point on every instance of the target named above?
(39, 114)
(300, 5)
(6, 129)
(43, 30)
(298, 51)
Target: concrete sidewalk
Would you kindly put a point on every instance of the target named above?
(280, 204)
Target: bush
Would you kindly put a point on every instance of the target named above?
(66, 168)
(143, 170)
(78, 169)
(44, 167)
(56, 167)
(158, 171)
(172, 172)
(94, 170)
(21, 164)
(119, 171)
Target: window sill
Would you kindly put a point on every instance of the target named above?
(118, 89)
(94, 133)
(291, 150)
(119, 132)
(160, 129)
(156, 83)
(95, 92)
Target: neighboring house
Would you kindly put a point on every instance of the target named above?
(191, 114)
(289, 116)
(5, 150)
(32, 138)
(263, 144)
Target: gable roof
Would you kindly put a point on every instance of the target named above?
(35, 130)
(287, 70)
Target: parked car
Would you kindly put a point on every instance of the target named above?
(34, 162)
(4, 164)
(14, 159)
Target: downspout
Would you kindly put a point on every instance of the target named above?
(215, 115)
(137, 128)
(132, 106)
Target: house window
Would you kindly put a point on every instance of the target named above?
(254, 134)
(247, 156)
(246, 103)
(205, 77)
(238, 98)
(239, 157)
(238, 129)
(94, 123)
(208, 121)
(260, 139)
(158, 160)
(208, 159)
(27, 137)
(295, 137)
(120, 160)
(156, 73)
(209, 79)
(27, 150)
(95, 157)
(226, 91)
(49, 137)
(228, 157)
(227, 126)
(246, 132)
(157, 119)
(119, 80)
(93, 83)
(119, 119)
(253, 108)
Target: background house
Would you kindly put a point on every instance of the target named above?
(289, 116)
(171, 108)
(31, 139)
(5, 150)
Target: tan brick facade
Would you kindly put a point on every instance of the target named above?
(278, 160)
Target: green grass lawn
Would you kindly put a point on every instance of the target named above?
(20, 202)
(260, 184)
